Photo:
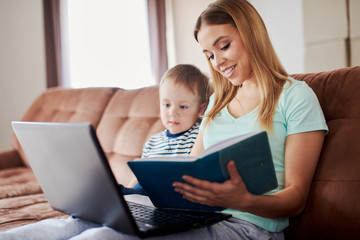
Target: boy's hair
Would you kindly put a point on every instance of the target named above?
(191, 78)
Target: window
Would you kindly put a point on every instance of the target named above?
(107, 44)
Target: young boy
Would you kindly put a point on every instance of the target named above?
(183, 93)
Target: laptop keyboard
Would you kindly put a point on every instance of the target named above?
(154, 216)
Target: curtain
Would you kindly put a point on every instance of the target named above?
(348, 38)
(52, 42)
(157, 31)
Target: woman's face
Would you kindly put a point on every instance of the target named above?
(225, 50)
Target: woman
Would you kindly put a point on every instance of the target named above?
(254, 92)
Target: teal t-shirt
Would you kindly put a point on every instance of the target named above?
(298, 110)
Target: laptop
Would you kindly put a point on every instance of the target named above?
(75, 176)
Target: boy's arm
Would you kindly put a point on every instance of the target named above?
(137, 189)
(134, 181)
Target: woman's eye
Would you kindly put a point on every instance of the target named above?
(211, 57)
(226, 46)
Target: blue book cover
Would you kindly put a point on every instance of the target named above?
(251, 153)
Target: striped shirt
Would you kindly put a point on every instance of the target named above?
(165, 144)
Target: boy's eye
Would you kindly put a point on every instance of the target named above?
(183, 107)
(166, 105)
(226, 46)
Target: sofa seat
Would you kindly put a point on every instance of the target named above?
(22, 210)
(21, 199)
(18, 181)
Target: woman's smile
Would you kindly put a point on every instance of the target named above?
(228, 71)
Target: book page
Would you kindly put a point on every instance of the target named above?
(227, 142)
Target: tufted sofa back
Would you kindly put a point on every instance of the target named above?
(123, 119)
(67, 105)
(129, 119)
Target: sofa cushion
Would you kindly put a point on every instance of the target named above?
(18, 182)
(340, 104)
(10, 158)
(337, 91)
(67, 105)
(332, 210)
(130, 118)
(22, 210)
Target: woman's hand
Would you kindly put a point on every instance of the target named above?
(229, 194)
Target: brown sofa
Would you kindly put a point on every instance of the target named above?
(124, 119)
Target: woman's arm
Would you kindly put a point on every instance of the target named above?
(301, 157)
(198, 147)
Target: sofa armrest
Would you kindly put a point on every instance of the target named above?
(10, 159)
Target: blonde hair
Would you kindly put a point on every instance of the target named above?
(265, 65)
(191, 78)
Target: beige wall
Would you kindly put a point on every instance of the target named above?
(183, 48)
(284, 22)
(308, 35)
(325, 30)
(355, 31)
(22, 61)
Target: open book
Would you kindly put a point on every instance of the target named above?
(252, 156)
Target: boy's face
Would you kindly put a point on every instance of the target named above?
(179, 107)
